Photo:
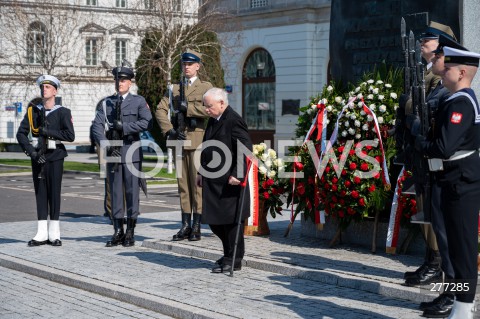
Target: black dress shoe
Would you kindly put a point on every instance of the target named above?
(56, 242)
(219, 261)
(219, 268)
(415, 273)
(429, 275)
(440, 307)
(33, 243)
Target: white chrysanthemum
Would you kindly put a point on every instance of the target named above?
(353, 116)
(329, 108)
(346, 123)
(255, 150)
(272, 153)
(329, 88)
(309, 111)
(351, 93)
(392, 122)
(278, 162)
(351, 106)
(357, 89)
(313, 106)
(360, 104)
(264, 157)
(395, 107)
(324, 101)
(357, 123)
(344, 133)
(388, 86)
(380, 120)
(382, 108)
(379, 82)
(362, 113)
(271, 174)
(351, 131)
(358, 136)
(375, 91)
(393, 95)
(370, 81)
(262, 147)
(338, 99)
(370, 97)
(262, 169)
(381, 97)
(365, 127)
(268, 163)
(372, 107)
(359, 96)
(369, 118)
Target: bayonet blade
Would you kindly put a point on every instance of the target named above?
(411, 41)
(418, 53)
(403, 32)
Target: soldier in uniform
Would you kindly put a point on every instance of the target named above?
(454, 160)
(52, 124)
(123, 184)
(195, 115)
(436, 255)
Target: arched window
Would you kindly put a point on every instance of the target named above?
(259, 94)
(36, 39)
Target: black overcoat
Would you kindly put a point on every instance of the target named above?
(221, 201)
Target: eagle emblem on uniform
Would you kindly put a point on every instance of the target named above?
(456, 118)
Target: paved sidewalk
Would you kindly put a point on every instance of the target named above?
(283, 278)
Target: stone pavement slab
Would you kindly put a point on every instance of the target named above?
(182, 286)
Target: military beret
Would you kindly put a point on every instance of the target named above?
(191, 56)
(435, 29)
(48, 79)
(123, 73)
(458, 56)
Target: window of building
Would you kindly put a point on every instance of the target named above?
(121, 3)
(177, 5)
(36, 42)
(149, 4)
(91, 52)
(120, 51)
(91, 2)
(258, 3)
(258, 81)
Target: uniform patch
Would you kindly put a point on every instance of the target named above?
(456, 118)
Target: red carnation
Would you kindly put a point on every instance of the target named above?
(340, 148)
(334, 180)
(361, 202)
(327, 169)
(334, 199)
(378, 159)
(368, 147)
(270, 182)
(364, 167)
(334, 187)
(311, 180)
(266, 195)
(352, 152)
(341, 202)
(377, 176)
(354, 194)
(356, 180)
(298, 166)
(347, 183)
(343, 193)
(353, 166)
(264, 184)
(350, 211)
(341, 214)
(371, 188)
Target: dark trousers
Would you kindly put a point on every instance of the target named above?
(124, 190)
(227, 233)
(48, 188)
(461, 203)
(438, 225)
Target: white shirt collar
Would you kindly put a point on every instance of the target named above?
(191, 80)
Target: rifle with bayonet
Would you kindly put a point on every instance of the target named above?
(182, 109)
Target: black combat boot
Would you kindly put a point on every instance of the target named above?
(117, 237)
(431, 273)
(440, 307)
(196, 226)
(129, 234)
(422, 268)
(186, 229)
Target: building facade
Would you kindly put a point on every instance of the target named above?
(275, 62)
(78, 41)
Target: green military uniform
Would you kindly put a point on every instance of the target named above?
(190, 194)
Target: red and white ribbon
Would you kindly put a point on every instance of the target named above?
(395, 216)
(254, 195)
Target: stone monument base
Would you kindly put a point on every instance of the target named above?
(362, 234)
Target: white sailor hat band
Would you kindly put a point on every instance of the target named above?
(48, 79)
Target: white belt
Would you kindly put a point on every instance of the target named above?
(459, 155)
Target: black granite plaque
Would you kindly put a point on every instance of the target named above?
(366, 33)
(290, 107)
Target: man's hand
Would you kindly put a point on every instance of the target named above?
(181, 136)
(172, 134)
(42, 131)
(37, 157)
(233, 181)
(182, 107)
(116, 152)
(118, 125)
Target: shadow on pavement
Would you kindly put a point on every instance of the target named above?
(170, 261)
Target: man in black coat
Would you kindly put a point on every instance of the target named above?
(49, 124)
(225, 143)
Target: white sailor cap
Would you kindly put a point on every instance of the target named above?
(458, 56)
(48, 79)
